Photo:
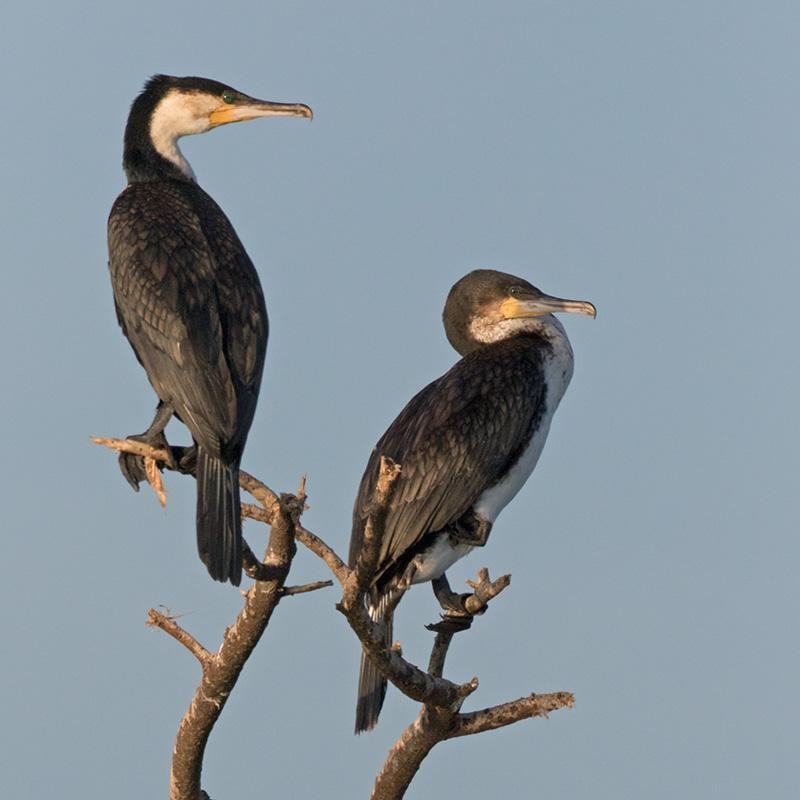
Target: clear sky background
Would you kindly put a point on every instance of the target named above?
(642, 155)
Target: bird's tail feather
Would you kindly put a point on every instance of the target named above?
(219, 524)
(371, 684)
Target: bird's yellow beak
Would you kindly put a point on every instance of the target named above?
(537, 306)
(251, 108)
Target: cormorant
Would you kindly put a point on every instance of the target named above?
(189, 299)
(465, 444)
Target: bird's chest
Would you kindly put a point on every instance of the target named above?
(557, 372)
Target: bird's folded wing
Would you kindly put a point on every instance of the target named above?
(164, 291)
(453, 439)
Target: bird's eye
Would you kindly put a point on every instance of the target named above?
(515, 290)
(227, 96)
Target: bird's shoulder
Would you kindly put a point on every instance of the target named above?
(489, 386)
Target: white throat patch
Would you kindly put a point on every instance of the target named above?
(179, 115)
(487, 331)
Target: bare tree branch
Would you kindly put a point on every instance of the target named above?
(132, 446)
(258, 513)
(484, 590)
(439, 718)
(222, 670)
(441, 644)
(436, 723)
(263, 493)
(288, 591)
(488, 719)
(408, 752)
(168, 625)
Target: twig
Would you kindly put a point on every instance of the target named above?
(168, 625)
(484, 590)
(262, 492)
(288, 591)
(132, 446)
(488, 719)
(258, 513)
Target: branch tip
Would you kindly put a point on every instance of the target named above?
(167, 624)
(289, 591)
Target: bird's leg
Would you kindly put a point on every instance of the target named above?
(470, 529)
(407, 578)
(456, 617)
(459, 609)
(450, 601)
(132, 466)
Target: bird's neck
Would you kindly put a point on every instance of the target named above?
(148, 164)
(151, 145)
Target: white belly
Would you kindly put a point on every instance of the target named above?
(557, 374)
(438, 559)
(495, 499)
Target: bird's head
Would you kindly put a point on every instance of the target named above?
(169, 108)
(488, 306)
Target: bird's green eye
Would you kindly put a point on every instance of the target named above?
(515, 290)
(227, 96)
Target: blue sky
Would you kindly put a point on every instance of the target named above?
(643, 156)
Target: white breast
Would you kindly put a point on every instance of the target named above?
(557, 374)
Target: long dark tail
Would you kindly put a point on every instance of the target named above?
(219, 524)
(371, 684)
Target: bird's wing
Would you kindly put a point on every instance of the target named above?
(458, 435)
(241, 306)
(163, 277)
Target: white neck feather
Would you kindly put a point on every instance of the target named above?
(175, 116)
(487, 331)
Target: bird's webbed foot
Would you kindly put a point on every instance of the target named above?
(460, 609)
(471, 530)
(131, 465)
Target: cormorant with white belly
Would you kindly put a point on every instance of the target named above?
(465, 444)
(189, 299)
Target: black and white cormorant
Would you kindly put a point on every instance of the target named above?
(465, 444)
(188, 297)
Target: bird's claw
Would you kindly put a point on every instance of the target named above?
(133, 466)
(451, 623)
